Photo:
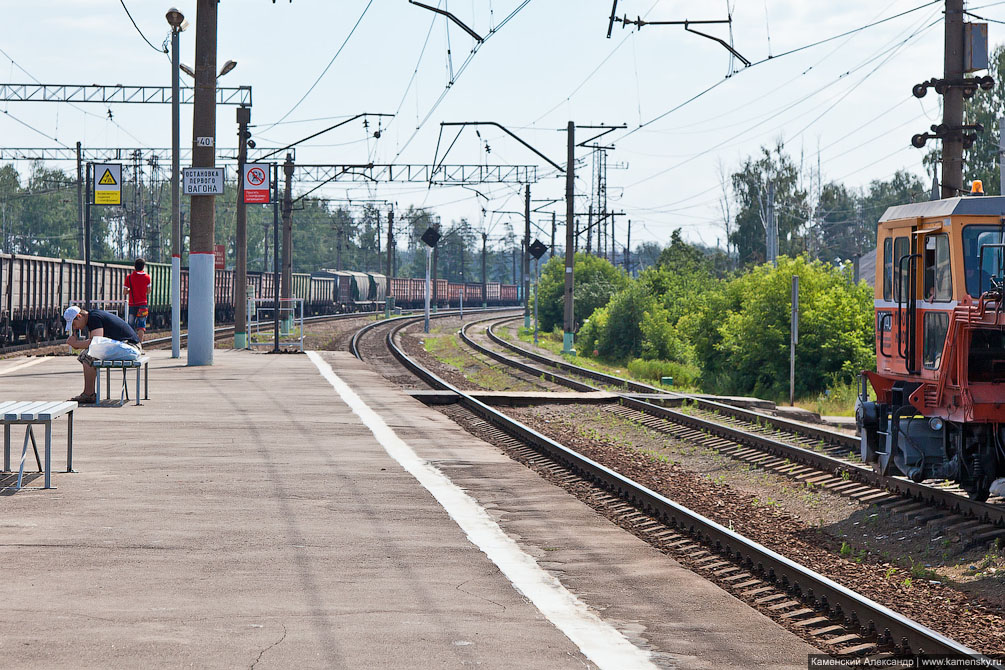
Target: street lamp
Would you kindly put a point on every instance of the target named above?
(178, 24)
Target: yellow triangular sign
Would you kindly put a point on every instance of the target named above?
(107, 179)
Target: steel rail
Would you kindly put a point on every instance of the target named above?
(358, 335)
(948, 500)
(888, 625)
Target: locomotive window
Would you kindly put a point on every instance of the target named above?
(938, 279)
(887, 268)
(901, 248)
(978, 277)
(986, 362)
(936, 325)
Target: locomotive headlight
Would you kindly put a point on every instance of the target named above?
(936, 423)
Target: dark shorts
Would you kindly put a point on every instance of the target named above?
(85, 359)
(135, 320)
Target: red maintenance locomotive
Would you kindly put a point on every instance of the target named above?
(939, 411)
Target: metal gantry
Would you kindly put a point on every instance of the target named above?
(117, 93)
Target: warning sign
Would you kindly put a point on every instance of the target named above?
(107, 183)
(256, 184)
(220, 256)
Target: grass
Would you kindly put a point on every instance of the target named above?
(446, 349)
(553, 343)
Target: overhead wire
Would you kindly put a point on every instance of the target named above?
(885, 52)
(133, 21)
(327, 67)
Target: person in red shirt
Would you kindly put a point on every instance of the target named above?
(137, 286)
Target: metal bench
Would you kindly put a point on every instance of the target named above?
(143, 362)
(29, 413)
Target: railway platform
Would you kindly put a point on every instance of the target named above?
(301, 511)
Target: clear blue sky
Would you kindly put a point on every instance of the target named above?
(846, 103)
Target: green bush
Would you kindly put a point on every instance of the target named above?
(621, 336)
(596, 281)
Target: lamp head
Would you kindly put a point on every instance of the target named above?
(187, 70)
(227, 67)
(176, 19)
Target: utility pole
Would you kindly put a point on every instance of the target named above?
(771, 232)
(287, 267)
(589, 229)
(241, 270)
(202, 273)
(628, 250)
(390, 242)
(526, 256)
(338, 247)
(952, 111)
(552, 235)
(485, 277)
(137, 225)
(570, 241)
(80, 201)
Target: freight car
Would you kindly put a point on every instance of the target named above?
(35, 290)
(939, 383)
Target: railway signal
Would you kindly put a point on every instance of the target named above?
(536, 250)
(430, 238)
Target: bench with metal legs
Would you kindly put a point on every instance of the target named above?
(143, 362)
(28, 414)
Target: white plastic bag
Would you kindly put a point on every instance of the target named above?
(107, 349)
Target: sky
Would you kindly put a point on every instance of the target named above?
(845, 104)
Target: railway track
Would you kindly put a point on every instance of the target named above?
(834, 617)
(808, 454)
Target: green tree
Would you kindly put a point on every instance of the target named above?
(981, 161)
(741, 337)
(596, 281)
(750, 187)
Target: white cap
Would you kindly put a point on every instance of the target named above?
(70, 314)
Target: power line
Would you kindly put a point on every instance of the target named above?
(771, 58)
(327, 67)
(133, 21)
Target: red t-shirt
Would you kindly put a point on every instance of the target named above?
(138, 284)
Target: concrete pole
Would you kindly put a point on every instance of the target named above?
(390, 242)
(287, 283)
(952, 111)
(88, 277)
(628, 250)
(793, 339)
(202, 273)
(526, 256)
(241, 270)
(175, 196)
(429, 254)
(589, 230)
(772, 232)
(274, 174)
(485, 277)
(570, 239)
(80, 201)
(552, 255)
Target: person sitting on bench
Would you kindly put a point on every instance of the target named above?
(97, 322)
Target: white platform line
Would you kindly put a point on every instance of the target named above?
(26, 364)
(600, 642)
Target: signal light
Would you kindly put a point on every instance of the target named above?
(977, 187)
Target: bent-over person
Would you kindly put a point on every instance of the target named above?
(98, 323)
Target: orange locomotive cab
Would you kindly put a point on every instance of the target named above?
(940, 345)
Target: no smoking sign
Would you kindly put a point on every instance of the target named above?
(256, 184)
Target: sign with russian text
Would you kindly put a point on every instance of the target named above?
(107, 183)
(220, 256)
(256, 184)
(202, 181)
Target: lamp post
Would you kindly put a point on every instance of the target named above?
(178, 23)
